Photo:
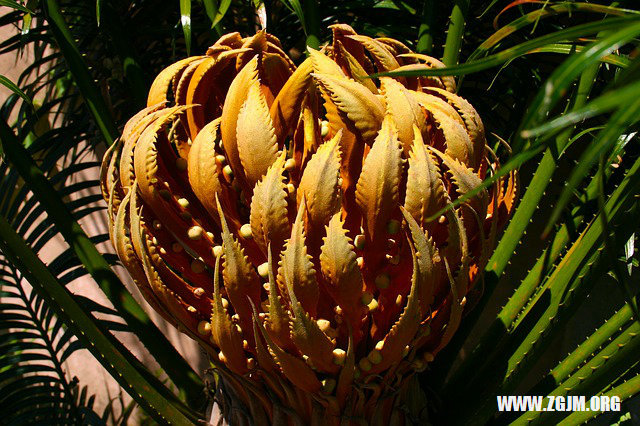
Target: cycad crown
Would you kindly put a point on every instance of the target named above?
(281, 215)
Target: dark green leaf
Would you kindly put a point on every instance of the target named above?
(15, 89)
(185, 20)
(96, 265)
(221, 12)
(614, 99)
(606, 138)
(15, 5)
(83, 79)
(521, 49)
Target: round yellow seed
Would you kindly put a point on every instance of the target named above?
(251, 363)
(228, 172)
(323, 324)
(263, 270)
(373, 305)
(339, 356)
(195, 232)
(324, 128)
(290, 164)
(204, 327)
(245, 231)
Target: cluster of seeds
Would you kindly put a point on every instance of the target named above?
(291, 218)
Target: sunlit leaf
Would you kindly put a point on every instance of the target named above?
(185, 20)
(15, 89)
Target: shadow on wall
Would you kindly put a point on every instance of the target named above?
(82, 364)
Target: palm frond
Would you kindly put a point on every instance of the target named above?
(34, 344)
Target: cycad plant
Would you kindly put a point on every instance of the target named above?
(276, 202)
(242, 157)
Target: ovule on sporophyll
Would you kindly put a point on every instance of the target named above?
(279, 215)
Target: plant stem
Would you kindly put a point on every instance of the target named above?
(425, 32)
(455, 32)
(312, 18)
